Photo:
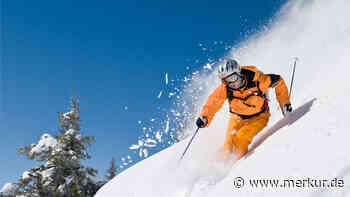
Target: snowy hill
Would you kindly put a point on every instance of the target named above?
(7, 189)
(314, 147)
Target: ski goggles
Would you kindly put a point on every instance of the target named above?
(232, 78)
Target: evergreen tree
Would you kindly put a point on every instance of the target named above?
(111, 172)
(62, 174)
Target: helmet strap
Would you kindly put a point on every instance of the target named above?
(244, 82)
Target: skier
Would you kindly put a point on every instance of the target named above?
(245, 87)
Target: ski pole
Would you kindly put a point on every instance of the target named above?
(291, 85)
(188, 145)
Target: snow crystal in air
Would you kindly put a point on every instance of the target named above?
(150, 143)
(140, 153)
(167, 126)
(160, 94)
(159, 136)
(208, 66)
(145, 152)
(166, 78)
(134, 147)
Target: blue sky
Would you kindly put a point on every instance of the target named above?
(115, 54)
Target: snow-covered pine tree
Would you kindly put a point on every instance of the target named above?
(111, 172)
(62, 174)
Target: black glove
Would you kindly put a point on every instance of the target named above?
(287, 108)
(202, 121)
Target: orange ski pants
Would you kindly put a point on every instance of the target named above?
(240, 133)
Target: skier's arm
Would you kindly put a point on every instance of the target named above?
(215, 101)
(281, 89)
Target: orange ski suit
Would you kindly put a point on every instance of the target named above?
(248, 106)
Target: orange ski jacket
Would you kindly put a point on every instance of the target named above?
(250, 100)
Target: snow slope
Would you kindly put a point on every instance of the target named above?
(316, 146)
(8, 189)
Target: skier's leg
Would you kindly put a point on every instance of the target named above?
(245, 134)
(233, 125)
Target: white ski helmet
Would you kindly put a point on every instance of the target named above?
(228, 67)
